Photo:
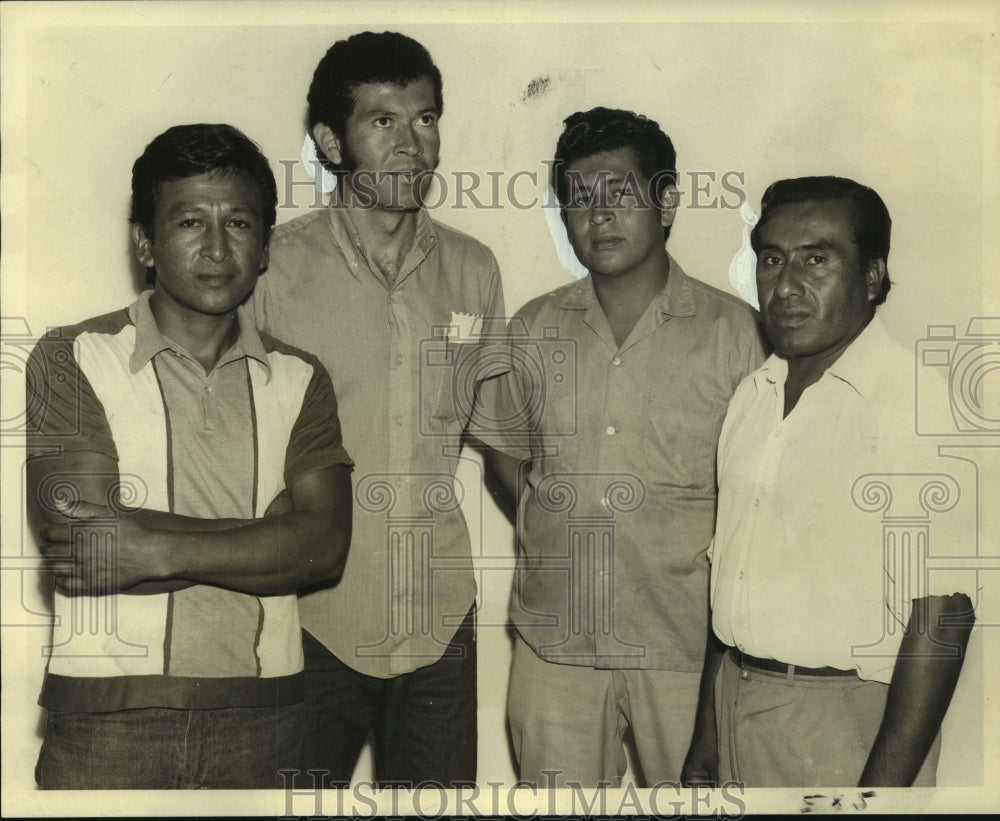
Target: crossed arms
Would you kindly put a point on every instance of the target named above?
(303, 538)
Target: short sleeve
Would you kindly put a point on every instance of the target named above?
(503, 417)
(316, 441)
(62, 411)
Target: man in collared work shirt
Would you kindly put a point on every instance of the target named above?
(392, 302)
(843, 651)
(618, 387)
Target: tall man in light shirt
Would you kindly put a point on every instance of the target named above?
(391, 302)
(843, 654)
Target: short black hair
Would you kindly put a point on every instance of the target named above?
(586, 133)
(870, 221)
(189, 150)
(367, 57)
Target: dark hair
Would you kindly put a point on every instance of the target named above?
(367, 57)
(870, 220)
(190, 150)
(586, 133)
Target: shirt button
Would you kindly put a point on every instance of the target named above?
(744, 674)
(611, 430)
(398, 420)
(616, 361)
(756, 502)
(741, 574)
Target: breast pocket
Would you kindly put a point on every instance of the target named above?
(451, 380)
(680, 445)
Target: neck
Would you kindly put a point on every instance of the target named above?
(633, 290)
(381, 225)
(807, 370)
(206, 337)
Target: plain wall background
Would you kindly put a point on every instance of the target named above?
(902, 97)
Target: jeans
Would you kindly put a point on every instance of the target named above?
(424, 721)
(161, 749)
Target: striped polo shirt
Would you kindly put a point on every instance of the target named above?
(217, 445)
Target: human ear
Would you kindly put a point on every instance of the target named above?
(875, 273)
(142, 246)
(669, 200)
(328, 142)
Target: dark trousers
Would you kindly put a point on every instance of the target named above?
(424, 721)
(161, 749)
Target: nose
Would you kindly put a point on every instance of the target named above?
(789, 280)
(407, 141)
(216, 243)
(599, 215)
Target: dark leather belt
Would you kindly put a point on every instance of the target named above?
(773, 666)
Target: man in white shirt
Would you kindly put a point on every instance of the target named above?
(843, 651)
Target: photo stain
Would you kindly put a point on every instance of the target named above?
(536, 88)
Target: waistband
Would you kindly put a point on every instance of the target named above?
(745, 661)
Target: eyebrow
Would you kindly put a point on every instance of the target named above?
(382, 112)
(193, 205)
(822, 245)
(608, 178)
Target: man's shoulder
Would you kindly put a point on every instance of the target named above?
(717, 302)
(109, 324)
(301, 226)
(451, 239)
(547, 306)
(273, 345)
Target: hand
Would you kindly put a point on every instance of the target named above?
(701, 766)
(97, 551)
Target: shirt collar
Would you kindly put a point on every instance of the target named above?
(676, 298)
(347, 237)
(149, 341)
(858, 365)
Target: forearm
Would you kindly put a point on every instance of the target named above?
(302, 539)
(701, 764)
(161, 520)
(505, 480)
(923, 682)
(272, 556)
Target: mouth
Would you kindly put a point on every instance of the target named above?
(606, 243)
(406, 173)
(215, 280)
(788, 319)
